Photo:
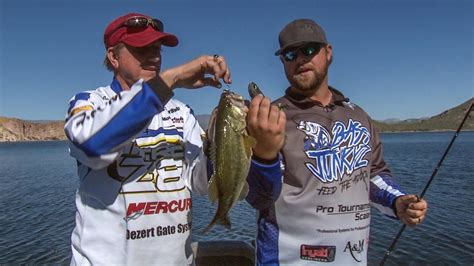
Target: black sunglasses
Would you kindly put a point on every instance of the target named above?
(143, 22)
(307, 50)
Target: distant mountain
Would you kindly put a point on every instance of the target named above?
(447, 120)
(13, 129)
(390, 121)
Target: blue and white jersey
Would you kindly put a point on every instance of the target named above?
(138, 161)
(314, 203)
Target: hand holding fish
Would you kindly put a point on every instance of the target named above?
(266, 123)
(410, 209)
(203, 71)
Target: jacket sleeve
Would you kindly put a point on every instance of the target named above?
(97, 126)
(195, 168)
(383, 190)
(265, 183)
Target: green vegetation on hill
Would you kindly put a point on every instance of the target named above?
(447, 120)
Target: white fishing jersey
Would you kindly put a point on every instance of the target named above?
(136, 158)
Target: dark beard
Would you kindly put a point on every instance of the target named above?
(312, 87)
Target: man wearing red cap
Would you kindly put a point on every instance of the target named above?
(138, 151)
(317, 207)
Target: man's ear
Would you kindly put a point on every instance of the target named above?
(328, 49)
(113, 57)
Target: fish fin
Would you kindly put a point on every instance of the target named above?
(249, 143)
(244, 191)
(212, 152)
(211, 128)
(212, 189)
(210, 134)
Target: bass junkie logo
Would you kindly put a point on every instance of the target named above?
(318, 253)
(337, 156)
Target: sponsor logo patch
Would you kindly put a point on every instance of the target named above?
(355, 249)
(135, 210)
(336, 154)
(317, 253)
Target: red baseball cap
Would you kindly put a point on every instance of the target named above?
(118, 31)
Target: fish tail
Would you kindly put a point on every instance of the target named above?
(225, 222)
(211, 224)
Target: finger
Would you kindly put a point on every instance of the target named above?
(222, 63)
(406, 199)
(254, 107)
(418, 220)
(245, 108)
(421, 205)
(421, 219)
(209, 81)
(274, 115)
(282, 120)
(210, 65)
(217, 67)
(412, 221)
(264, 111)
(227, 76)
(414, 213)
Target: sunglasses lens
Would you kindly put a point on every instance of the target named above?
(310, 50)
(158, 25)
(289, 56)
(137, 22)
(141, 22)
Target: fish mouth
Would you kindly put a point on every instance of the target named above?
(235, 99)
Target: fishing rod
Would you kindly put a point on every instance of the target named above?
(392, 246)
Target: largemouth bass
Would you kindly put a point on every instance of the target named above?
(231, 149)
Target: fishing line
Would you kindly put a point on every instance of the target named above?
(392, 246)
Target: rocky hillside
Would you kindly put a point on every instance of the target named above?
(447, 120)
(12, 129)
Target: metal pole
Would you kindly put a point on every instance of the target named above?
(392, 246)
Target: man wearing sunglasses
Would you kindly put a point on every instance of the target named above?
(138, 151)
(317, 165)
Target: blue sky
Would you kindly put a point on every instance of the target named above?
(396, 59)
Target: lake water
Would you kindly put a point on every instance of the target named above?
(38, 182)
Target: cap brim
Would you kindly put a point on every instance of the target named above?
(293, 44)
(148, 36)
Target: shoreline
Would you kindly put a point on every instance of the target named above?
(32, 140)
(380, 132)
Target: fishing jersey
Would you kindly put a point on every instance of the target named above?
(135, 157)
(314, 203)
